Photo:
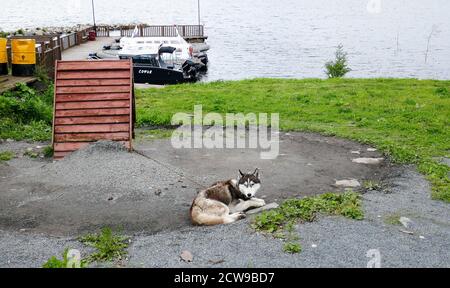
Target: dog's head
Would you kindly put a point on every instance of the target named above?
(248, 184)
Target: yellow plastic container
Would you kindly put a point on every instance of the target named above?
(23, 57)
(3, 57)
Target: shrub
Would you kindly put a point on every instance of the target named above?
(337, 68)
(26, 113)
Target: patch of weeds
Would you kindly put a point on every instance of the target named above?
(292, 247)
(6, 156)
(392, 219)
(110, 246)
(54, 262)
(48, 151)
(347, 204)
(371, 185)
(31, 154)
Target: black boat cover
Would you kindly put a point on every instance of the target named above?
(167, 49)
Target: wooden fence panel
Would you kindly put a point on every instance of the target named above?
(89, 107)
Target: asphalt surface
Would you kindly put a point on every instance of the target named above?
(44, 206)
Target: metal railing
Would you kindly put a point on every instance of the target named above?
(186, 31)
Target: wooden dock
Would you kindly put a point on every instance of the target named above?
(51, 48)
(9, 82)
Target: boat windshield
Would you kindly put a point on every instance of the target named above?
(150, 59)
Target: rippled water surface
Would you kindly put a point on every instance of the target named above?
(282, 38)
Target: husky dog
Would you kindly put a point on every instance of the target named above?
(226, 202)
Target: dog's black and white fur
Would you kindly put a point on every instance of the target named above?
(226, 202)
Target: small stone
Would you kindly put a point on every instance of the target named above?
(371, 149)
(407, 232)
(347, 183)
(186, 256)
(314, 246)
(422, 237)
(158, 192)
(9, 140)
(368, 161)
(39, 147)
(29, 149)
(355, 152)
(406, 222)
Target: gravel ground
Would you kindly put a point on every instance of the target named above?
(55, 193)
(329, 242)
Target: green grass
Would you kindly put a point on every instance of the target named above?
(153, 134)
(407, 119)
(109, 245)
(6, 156)
(26, 114)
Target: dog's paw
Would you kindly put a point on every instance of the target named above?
(259, 202)
(240, 215)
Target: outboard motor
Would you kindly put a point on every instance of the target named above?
(189, 68)
(203, 57)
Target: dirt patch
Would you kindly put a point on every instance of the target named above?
(105, 185)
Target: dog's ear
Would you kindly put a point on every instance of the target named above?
(240, 172)
(256, 173)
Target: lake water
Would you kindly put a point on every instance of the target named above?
(282, 38)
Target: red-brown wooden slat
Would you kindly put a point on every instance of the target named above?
(94, 82)
(93, 101)
(93, 112)
(60, 155)
(92, 128)
(93, 104)
(93, 65)
(92, 89)
(105, 74)
(92, 97)
(92, 120)
(62, 147)
(84, 137)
